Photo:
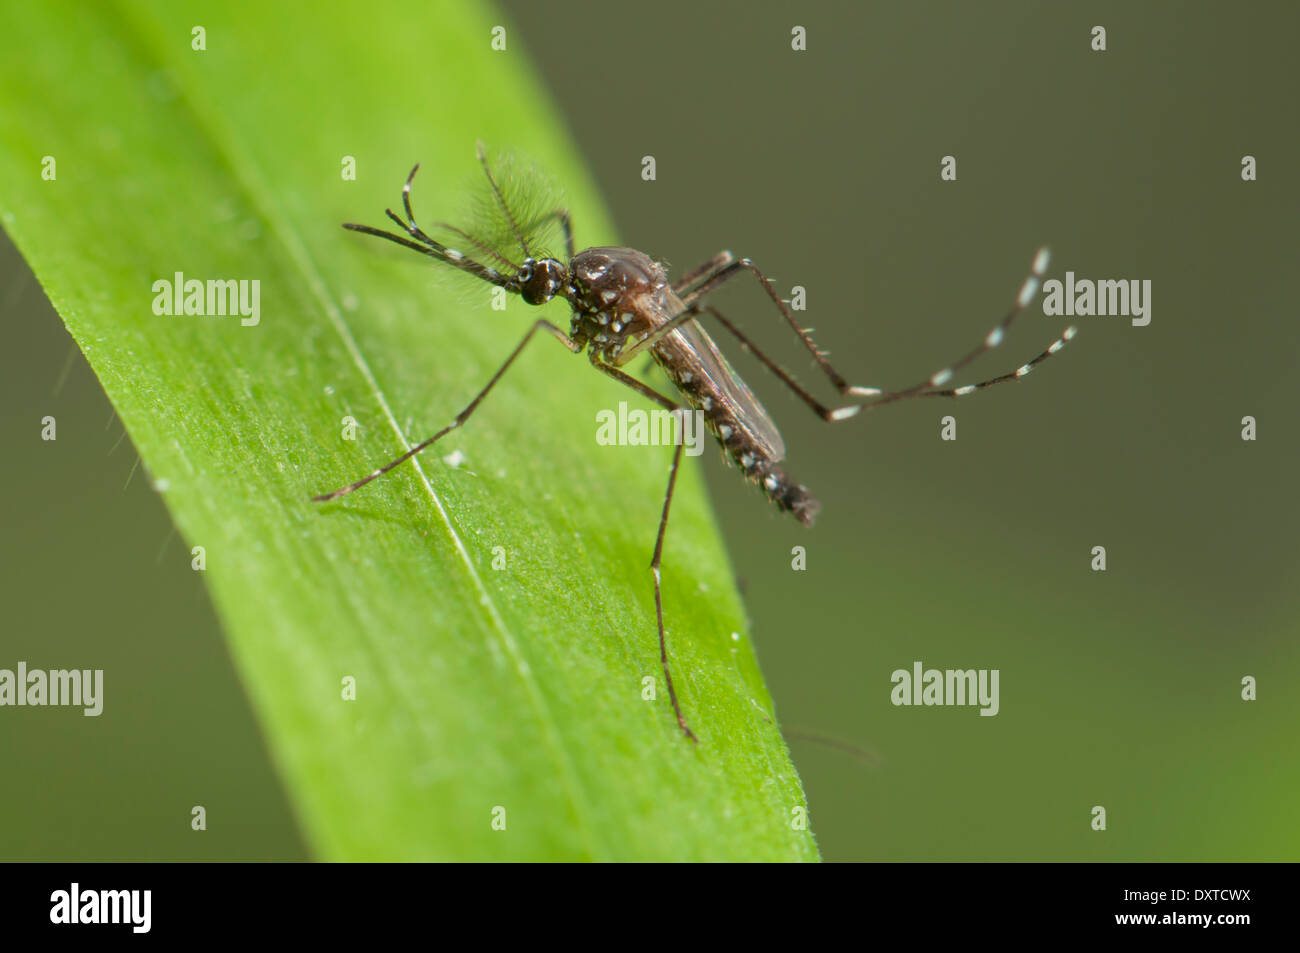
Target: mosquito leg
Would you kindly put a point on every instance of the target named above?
(931, 387)
(710, 267)
(566, 224)
(562, 214)
(675, 407)
(729, 269)
(829, 414)
(463, 416)
(648, 341)
(659, 601)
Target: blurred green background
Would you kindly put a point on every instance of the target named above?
(1119, 689)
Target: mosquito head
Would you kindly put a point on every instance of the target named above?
(540, 281)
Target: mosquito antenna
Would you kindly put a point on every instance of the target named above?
(425, 245)
(478, 243)
(409, 223)
(439, 252)
(415, 230)
(501, 201)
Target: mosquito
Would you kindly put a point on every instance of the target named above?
(625, 306)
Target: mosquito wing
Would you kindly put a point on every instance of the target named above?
(692, 344)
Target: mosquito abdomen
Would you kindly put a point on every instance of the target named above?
(792, 497)
(796, 499)
(759, 468)
(753, 459)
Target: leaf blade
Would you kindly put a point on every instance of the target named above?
(477, 688)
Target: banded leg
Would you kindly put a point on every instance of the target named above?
(463, 416)
(726, 266)
(675, 407)
(829, 414)
(927, 389)
(692, 313)
(933, 386)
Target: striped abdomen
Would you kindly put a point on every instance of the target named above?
(736, 419)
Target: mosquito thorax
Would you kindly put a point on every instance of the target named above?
(540, 280)
(613, 279)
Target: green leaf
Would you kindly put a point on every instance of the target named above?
(476, 687)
